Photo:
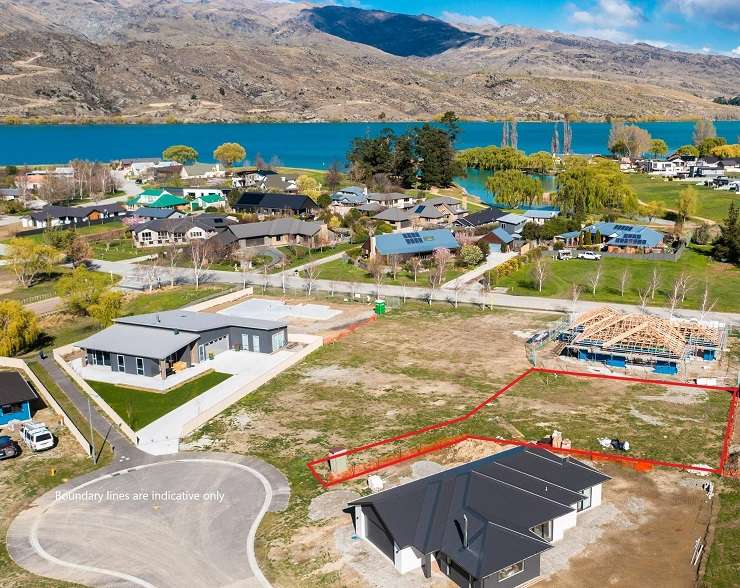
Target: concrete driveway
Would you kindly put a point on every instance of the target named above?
(189, 521)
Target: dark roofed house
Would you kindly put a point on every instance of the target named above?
(145, 214)
(151, 344)
(398, 218)
(275, 233)
(61, 216)
(268, 203)
(159, 232)
(15, 398)
(486, 216)
(486, 522)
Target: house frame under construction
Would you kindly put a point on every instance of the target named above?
(618, 338)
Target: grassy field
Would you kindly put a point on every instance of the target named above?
(82, 230)
(139, 408)
(723, 565)
(341, 271)
(44, 287)
(120, 249)
(724, 280)
(297, 255)
(713, 204)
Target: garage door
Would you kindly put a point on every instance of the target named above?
(496, 247)
(378, 535)
(219, 345)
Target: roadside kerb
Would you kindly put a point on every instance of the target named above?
(102, 404)
(50, 401)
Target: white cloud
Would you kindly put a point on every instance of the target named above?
(607, 14)
(726, 13)
(608, 34)
(654, 43)
(706, 49)
(469, 19)
(735, 52)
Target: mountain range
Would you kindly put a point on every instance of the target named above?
(257, 60)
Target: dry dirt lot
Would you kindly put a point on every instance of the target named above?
(412, 368)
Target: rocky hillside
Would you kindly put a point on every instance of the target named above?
(256, 60)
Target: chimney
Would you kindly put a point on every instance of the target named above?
(465, 531)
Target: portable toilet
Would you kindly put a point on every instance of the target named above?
(380, 306)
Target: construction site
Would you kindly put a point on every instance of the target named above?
(690, 349)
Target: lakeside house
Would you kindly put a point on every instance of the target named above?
(271, 204)
(513, 223)
(162, 343)
(540, 216)
(410, 244)
(275, 233)
(623, 238)
(265, 180)
(68, 216)
(485, 523)
(196, 171)
(483, 217)
(391, 199)
(345, 199)
(500, 240)
(168, 231)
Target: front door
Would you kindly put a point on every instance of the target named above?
(201, 353)
(245, 342)
(121, 364)
(256, 343)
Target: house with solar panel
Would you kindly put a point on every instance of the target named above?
(484, 523)
(623, 238)
(410, 244)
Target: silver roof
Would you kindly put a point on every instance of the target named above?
(138, 341)
(196, 322)
(283, 226)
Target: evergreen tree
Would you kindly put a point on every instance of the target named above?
(404, 162)
(727, 246)
(436, 157)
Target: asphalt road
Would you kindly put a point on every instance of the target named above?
(182, 522)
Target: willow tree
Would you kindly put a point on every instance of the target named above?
(588, 186)
(512, 187)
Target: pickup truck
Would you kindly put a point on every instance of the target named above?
(8, 448)
(589, 255)
(37, 436)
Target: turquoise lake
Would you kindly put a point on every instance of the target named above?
(312, 145)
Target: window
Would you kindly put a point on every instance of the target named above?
(121, 364)
(256, 343)
(586, 502)
(510, 571)
(11, 408)
(278, 340)
(139, 366)
(544, 530)
(201, 353)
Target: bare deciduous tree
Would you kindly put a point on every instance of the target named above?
(376, 268)
(644, 295)
(624, 280)
(595, 278)
(706, 303)
(539, 271)
(394, 264)
(655, 280)
(201, 256)
(311, 273)
(415, 264)
(575, 294)
(244, 257)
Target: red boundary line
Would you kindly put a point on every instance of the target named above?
(583, 452)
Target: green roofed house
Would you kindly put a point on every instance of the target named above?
(168, 200)
(145, 198)
(208, 201)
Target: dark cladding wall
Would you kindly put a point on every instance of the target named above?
(151, 366)
(531, 571)
(265, 338)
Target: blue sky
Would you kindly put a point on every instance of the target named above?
(700, 26)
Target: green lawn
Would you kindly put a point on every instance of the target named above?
(341, 271)
(724, 280)
(45, 285)
(723, 565)
(713, 204)
(139, 408)
(82, 230)
(120, 249)
(171, 298)
(298, 255)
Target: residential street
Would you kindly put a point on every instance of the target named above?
(467, 294)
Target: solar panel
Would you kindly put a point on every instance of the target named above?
(412, 238)
(622, 227)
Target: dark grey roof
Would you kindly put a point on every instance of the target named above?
(446, 200)
(154, 213)
(281, 226)
(51, 211)
(183, 224)
(196, 322)
(138, 341)
(482, 217)
(273, 201)
(503, 497)
(394, 215)
(14, 388)
(371, 207)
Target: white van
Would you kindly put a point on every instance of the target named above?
(37, 436)
(565, 254)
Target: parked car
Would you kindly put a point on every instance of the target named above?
(37, 436)
(565, 254)
(589, 255)
(8, 448)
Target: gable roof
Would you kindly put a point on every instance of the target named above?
(168, 200)
(482, 217)
(513, 219)
(272, 228)
(502, 235)
(14, 388)
(427, 210)
(624, 235)
(197, 169)
(185, 223)
(446, 200)
(51, 211)
(275, 201)
(211, 198)
(371, 207)
(394, 215)
(196, 322)
(546, 214)
(503, 496)
(386, 196)
(138, 341)
(153, 213)
(415, 242)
